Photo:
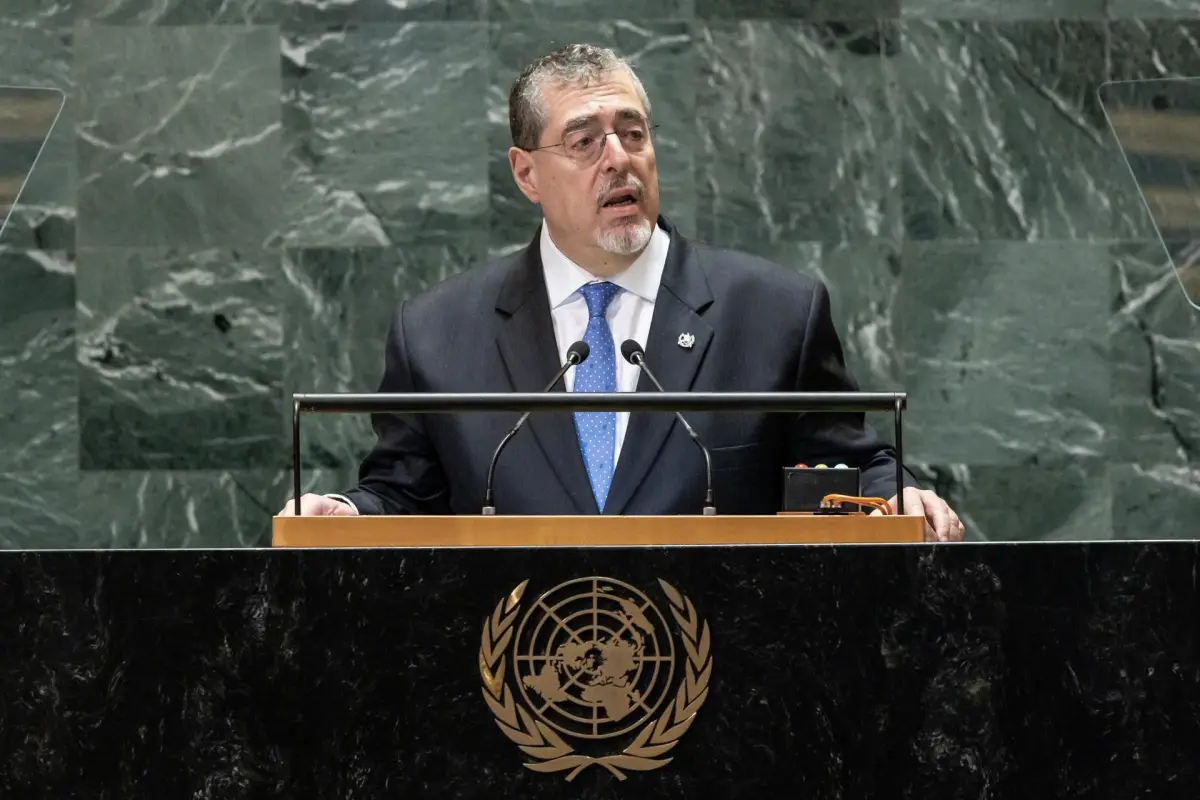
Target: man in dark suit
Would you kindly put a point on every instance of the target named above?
(605, 267)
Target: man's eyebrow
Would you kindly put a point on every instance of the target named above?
(578, 123)
(631, 115)
(587, 120)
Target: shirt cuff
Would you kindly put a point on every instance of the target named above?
(342, 498)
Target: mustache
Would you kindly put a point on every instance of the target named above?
(629, 182)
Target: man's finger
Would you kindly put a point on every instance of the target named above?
(937, 513)
(957, 529)
(915, 505)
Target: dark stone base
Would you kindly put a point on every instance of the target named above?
(1029, 671)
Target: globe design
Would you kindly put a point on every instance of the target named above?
(594, 658)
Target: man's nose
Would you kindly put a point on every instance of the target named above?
(612, 153)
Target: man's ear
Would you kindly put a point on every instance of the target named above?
(524, 173)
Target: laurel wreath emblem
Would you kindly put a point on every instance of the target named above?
(550, 751)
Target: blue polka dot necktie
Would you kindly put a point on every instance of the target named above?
(597, 430)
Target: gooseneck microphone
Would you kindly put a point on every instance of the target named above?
(634, 354)
(576, 354)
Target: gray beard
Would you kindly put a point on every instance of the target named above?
(625, 239)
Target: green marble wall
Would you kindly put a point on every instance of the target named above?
(239, 191)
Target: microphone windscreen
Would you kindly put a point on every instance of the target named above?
(580, 350)
(630, 349)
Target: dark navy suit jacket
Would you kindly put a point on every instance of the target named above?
(757, 326)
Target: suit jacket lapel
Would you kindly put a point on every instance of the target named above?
(525, 337)
(682, 296)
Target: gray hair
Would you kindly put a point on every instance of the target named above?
(569, 65)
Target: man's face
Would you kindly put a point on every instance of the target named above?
(599, 193)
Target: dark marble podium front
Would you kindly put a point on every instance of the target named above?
(964, 671)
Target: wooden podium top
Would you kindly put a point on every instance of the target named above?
(591, 531)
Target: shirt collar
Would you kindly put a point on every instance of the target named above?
(564, 277)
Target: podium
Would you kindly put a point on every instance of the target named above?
(593, 531)
(546, 656)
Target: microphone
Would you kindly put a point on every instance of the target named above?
(576, 354)
(634, 354)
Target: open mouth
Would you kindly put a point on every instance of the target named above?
(620, 198)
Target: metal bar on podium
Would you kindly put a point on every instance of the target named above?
(670, 402)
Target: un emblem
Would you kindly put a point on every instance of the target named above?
(591, 661)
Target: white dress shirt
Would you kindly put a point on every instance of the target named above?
(628, 315)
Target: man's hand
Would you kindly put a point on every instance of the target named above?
(318, 505)
(941, 523)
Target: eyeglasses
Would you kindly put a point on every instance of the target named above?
(585, 145)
